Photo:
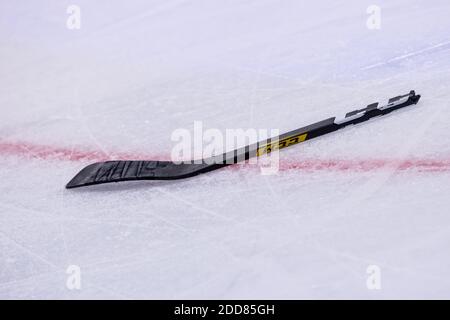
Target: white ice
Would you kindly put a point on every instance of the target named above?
(137, 70)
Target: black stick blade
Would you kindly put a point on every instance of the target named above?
(116, 171)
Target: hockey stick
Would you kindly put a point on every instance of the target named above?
(116, 171)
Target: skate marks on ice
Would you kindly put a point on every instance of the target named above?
(431, 49)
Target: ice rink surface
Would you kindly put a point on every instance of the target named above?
(373, 194)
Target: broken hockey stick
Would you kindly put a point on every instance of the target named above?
(124, 170)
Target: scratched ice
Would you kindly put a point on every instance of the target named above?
(376, 194)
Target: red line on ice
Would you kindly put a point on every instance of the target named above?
(31, 150)
(368, 164)
(64, 154)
